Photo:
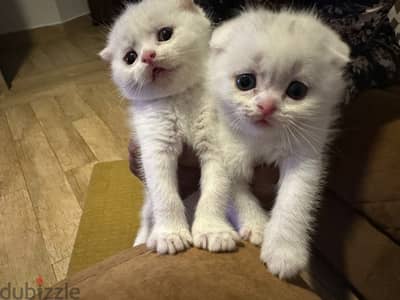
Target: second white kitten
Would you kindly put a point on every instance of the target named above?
(277, 79)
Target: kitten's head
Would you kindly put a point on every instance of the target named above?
(273, 71)
(157, 48)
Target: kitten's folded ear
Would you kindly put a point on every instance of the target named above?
(188, 5)
(106, 54)
(340, 50)
(221, 36)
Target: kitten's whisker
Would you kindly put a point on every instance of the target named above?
(306, 127)
(318, 129)
(308, 133)
(235, 124)
(312, 135)
(291, 134)
(304, 136)
(286, 142)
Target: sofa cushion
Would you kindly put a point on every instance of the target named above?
(365, 167)
(368, 259)
(195, 274)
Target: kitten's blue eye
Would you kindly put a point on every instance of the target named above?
(297, 90)
(130, 57)
(246, 82)
(164, 34)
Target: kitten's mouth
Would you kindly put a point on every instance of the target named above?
(156, 72)
(263, 123)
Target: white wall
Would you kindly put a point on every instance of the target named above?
(70, 9)
(16, 15)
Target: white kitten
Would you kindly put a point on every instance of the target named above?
(277, 79)
(158, 52)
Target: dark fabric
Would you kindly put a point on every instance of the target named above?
(394, 18)
(104, 11)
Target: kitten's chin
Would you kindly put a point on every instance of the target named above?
(257, 129)
(153, 91)
(251, 128)
(162, 83)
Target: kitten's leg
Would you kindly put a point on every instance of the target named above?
(211, 230)
(146, 222)
(251, 217)
(285, 249)
(170, 233)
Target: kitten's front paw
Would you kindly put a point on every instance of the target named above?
(139, 240)
(214, 235)
(284, 258)
(254, 233)
(142, 235)
(169, 239)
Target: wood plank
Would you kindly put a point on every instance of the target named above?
(55, 52)
(79, 181)
(69, 147)
(56, 77)
(110, 107)
(11, 177)
(74, 108)
(73, 53)
(39, 59)
(61, 268)
(100, 139)
(54, 203)
(21, 121)
(26, 67)
(100, 76)
(23, 255)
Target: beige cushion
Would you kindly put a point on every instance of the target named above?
(110, 217)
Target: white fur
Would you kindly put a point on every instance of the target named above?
(166, 113)
(278, 48)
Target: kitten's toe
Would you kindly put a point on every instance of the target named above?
(139, 241)
(228, 243)
(284, 259)
(200, 241)
(169, 241)
(222, 241)
(219, 237)
(253, 234)
(141, 237)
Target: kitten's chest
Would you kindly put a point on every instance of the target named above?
(187, 108)
(244, 153)
(166, 121)
(184, 114)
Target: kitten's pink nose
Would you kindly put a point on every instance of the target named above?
(148, 56)
(267, 107)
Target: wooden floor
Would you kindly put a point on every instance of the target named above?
(62, 116)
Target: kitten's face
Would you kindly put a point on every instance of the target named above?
(276, 71)
(157, 48)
